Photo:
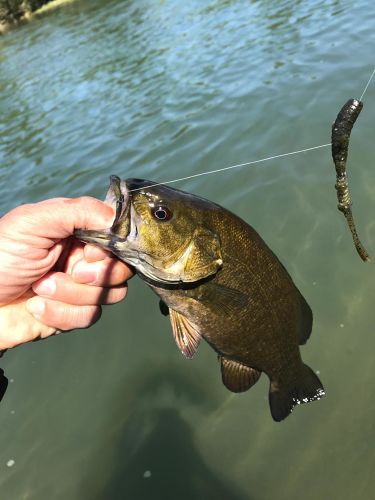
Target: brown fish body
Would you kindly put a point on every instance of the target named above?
(221, 282)
(263, 326)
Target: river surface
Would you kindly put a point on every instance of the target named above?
(166, 89)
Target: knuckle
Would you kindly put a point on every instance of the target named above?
(71, 317)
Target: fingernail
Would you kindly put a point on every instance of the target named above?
(36, 307)
(46, 287)
(84, 273)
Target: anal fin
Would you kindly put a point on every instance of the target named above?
(236, 376)
(185, 334)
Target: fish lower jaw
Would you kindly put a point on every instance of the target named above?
(154, 275)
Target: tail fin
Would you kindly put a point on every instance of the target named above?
(284, 398)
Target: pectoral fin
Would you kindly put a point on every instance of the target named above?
(236, 376)
(227, 299)
(186, 336)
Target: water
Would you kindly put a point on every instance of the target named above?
(162, 90)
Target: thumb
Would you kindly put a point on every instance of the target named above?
(57, 218)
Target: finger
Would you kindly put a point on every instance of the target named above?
(75, 213)
(73, 252)
(61, 287)
(57, 218)
(18, 326)
(62, 316)
(108, 272)
(93, 253)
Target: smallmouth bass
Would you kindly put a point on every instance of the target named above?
(218, 280)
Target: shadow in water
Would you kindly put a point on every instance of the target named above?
(3, 384)
(166, 466)
(152, 454)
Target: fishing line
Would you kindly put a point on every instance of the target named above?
(209, 172)
(367, 85)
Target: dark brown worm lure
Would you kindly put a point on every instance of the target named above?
(341, 130)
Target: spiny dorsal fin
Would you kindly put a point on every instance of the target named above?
(236, 376)
(185, 334)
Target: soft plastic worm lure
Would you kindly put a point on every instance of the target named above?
(341, 130)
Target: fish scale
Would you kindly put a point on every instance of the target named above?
(219, 281)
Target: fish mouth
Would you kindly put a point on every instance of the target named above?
(101, 237)
(118, 196)
(121, 238)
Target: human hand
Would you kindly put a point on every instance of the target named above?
(49, 281)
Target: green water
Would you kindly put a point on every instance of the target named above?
(165, 89)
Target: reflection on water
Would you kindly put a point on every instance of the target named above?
(161, 90)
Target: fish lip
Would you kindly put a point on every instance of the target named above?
(118, 194)
(103, 237)
(119, 198)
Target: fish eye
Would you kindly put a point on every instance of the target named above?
(162, 213)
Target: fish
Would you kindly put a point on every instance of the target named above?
(341, 130)
(219, 281)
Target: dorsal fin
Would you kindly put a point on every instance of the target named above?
(236, 376)
(306, 322)
(185, 334)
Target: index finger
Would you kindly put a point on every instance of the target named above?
(57, 218)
